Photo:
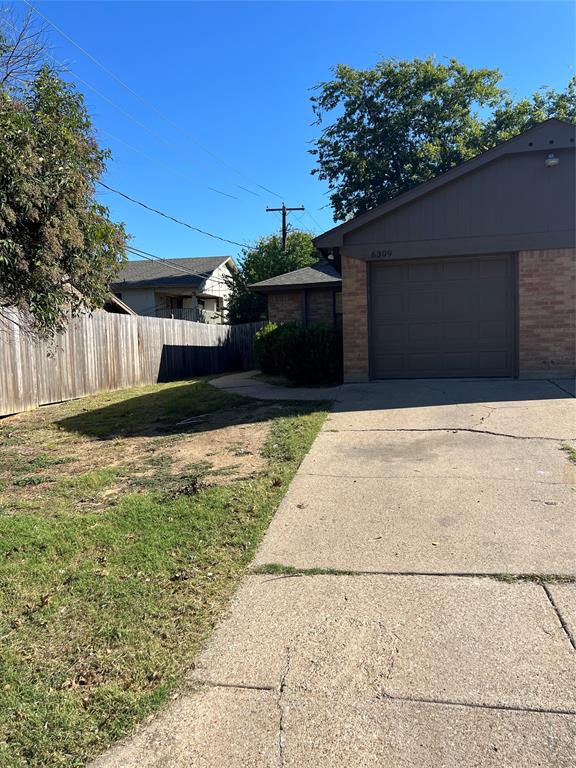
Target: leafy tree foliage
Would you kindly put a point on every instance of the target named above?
(261, 262)
(58, 248)
(405, 122)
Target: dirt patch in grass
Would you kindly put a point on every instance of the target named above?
(41, 455)
(126, 522)
(234, 451)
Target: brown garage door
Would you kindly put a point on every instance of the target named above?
(443, 317)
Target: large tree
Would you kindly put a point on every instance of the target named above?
(404, 122)
(59, 249)
(264, 260)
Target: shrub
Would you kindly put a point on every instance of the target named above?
(304, 355)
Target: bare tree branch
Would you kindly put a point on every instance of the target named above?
(23, 48)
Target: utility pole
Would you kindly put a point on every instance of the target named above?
(284, 211)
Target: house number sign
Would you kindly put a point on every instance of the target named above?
(381, 255)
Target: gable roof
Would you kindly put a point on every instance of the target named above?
(534, 139)
(174, 272)
(114, 304)
(323, 274)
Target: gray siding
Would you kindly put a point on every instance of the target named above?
(513, 203)
(141, 300)
(505, 199)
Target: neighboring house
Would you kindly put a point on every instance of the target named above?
(470, 274)
(309, 295)
(183, 289)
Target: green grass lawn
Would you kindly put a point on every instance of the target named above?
(115, 561)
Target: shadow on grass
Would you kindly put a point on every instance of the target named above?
(175, 409)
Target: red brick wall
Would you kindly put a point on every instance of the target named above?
(355, 319)
(285, 307)
(547, 310)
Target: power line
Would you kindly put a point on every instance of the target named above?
(129, 116)
(147, 103)
(284, 210)
(171, 218)
(175, 268)
(160, 164)
(305, 226)
(137, 122)
(313, 219)
(138, 202)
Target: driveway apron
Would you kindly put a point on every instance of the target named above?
(413, 602)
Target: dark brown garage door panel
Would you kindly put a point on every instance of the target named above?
(448, 317)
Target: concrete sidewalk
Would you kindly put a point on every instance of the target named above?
(414, 646)
(248, 385)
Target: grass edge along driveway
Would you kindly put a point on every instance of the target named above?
(111, 581)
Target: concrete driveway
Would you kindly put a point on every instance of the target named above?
(405, 639)
(436, 477)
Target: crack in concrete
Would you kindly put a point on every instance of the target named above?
(487, 416)
(395, 652)
(563, 624)
(417, 474)
(506, 578)
(240, 686)
(477, 705)
(473, 430)
(279, 702)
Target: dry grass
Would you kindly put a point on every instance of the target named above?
(126, 521)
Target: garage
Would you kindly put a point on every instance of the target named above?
(443, 317)
(469, 274)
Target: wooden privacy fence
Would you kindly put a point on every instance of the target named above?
(103, 351)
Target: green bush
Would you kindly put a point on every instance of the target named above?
(304, 355)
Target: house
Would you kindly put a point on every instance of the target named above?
(472, 273)
(183, 289)
(309, 295)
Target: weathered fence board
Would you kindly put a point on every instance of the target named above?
(103, 351)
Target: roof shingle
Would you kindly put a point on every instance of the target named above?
(168, 271)
(323, 273)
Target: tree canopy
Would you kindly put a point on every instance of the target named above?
(264, 260)
(404, 122)
(59, 249)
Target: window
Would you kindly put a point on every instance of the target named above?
(338, 303)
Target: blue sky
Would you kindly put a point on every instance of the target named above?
(233, 80)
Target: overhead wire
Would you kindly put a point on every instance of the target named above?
(307, 212)
(205, 275)
(171, 218)
(129, 116)
(148, 103)
(159, 163)
(137, 122)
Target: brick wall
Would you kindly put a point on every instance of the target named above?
(285, 307)
(320, 307)
(355, 319)
(547, 310)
